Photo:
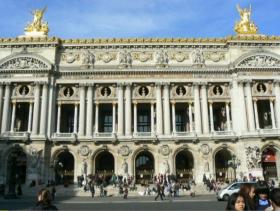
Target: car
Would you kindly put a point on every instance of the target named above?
(225, 193)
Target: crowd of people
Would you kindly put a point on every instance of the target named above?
(255, 196)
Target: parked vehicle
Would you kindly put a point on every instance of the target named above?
(226, 192)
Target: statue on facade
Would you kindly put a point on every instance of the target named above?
(38, 25)
(34, 161)
(161, 59)
(223, 118)
(124, 168)
(245, 25)
(198, 57)
(84, 168)
(166, 168)
(253, 157)
(87, 59)
(125, 59)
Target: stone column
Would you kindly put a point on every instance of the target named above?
(277, 102)
(120, 110)
(235, 106)
(96, 116)
(249, 105)
(242, 114)
(173, 117)
(36, 111)
(166, 109)
(211, 116)
(135, 117)
(190, 116)
(204, 105)
(1, 99)
(13, 116)
(272, 113)
(6, 108)
(89, 110)
(30, 117)
(114, 118)
(256, 114)
(44, 106)
(197, 112)
(152, 119)
(159, 109)
(228, 116)
(82, 111)
(128, 110)
(58, 117)
(75, 118)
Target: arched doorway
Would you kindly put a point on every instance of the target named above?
(223, 170)
(64, 168)
(105, 165)
(184, 165)
(269, 163)
(16, 166)
(144, 167)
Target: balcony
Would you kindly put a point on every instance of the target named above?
(23, 136)
(269, 132)
(184, 136)
(144, 136)
(104, 137)
(64, 137)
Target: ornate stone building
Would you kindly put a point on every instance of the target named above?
(139, 106)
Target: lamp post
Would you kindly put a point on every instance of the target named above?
(234, 163)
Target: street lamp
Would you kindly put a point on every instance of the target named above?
(234, 163)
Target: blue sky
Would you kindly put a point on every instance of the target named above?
(138, 18)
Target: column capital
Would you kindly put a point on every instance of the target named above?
(255, 99)
(276, 81)
(59, 103)
(135, 102)
(190, 102)
(89, 84)
(210, 102)
(271, 99)
(7, 83)
(241, 81)
(173, 102)
(14, 102)
(166, 84)
(82, 85)
(127, 84)
(227, 102)
(114, 103)
(203, 83)
(158, 84)
(96, 103)
(152, 102)
(120, 84)
(37, 83)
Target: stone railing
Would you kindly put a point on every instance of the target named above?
(64, 137)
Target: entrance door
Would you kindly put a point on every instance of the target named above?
(16, 167)
(144, 168)
(64, 168)
(269, 166)
(222, 159)
(184, 166)
(105, 165)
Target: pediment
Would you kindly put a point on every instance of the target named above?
(25, 62)
(259, 60)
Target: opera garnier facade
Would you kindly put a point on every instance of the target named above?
(139, 107)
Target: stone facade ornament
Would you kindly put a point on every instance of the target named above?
(84, 150)
(34, 160)
(88, 59)
(143, 56)
(198, 57)
(124, 150)
(26, 63)
(259, 61)
(253, 158)
(124, 167)
(179, 56)
(161, 59)
(125, 59)
(165, 167)
(205, 149)
(165, 150)
(70, 57)
(107, 57)
(23, 91)
(215, 56)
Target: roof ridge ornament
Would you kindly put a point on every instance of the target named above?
(38, 28)
(245, 26)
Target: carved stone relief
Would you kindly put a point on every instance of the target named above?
(87, 59)
(105, 92)
(124, 150)
(181, 91)
(125, 59)
(106, 57)
(23, 91)
(68, 92)
(161, 58)
(70, 57)
(218, 90)
(142, 56)
(205, 149)
(253, 158)
(143, 92)
(24, 63)
(259, 61)
(262, 88)
(35, 160)
(179, 56)
(84, 151)
(198, 57)
(215, 56)
(164, 150)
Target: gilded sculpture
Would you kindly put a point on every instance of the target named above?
(245, 25)
(38, 25)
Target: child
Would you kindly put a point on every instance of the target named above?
(262, 196)
(236, 202)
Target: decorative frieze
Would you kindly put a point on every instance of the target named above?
(259, 61)
(26, 63)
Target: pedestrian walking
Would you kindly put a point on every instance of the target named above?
(159, 192)
(19, 190)
(248, 191)
(125, 194)
(92, 189)
(275, 199)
